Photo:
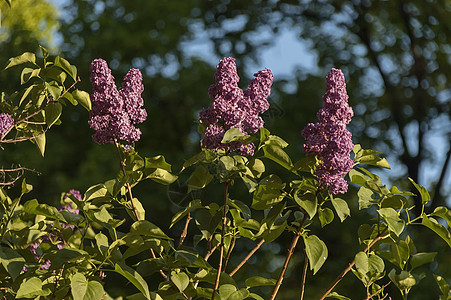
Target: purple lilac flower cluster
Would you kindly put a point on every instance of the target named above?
(6, 122)
(329, 139)
(234, 108)
(60, 244)
(115, 112)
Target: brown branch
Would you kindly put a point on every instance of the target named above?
(229, 252)
(304, 276)
(247, 257)
(221, 248)
(436, 198)
(185, 230)
(288, 258)
(378, 291)
(349, 267)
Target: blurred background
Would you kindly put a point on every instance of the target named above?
(396, 57)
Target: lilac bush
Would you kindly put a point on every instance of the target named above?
(6, 122)
(234, 108)
(329, 139)
(115, 112)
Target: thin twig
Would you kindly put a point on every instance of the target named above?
(229, 252)
(185, 230)
(210, 252)
(287, 259)
(221, 248)
(247, 257)
(378, 291)
(304, 276)
(349, 267)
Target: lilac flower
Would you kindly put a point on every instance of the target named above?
(234, 108)
(52, 238)
(329, 139)
(115, 112)
(6, 122)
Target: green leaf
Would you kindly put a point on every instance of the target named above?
(161, 176)
(239, 295)
(275, 140)
(195, 204)
(67, 255)
(444, 286)
(52, 113)
(55, 91)
(335, 295)
(374, 160)
(79, 285)
(181, 281)
(307, 201)
(326, 216)
(443, 213)
(102, 242)
(103, 216)
(342, 208)
(146, 228)
(235, 135)
(404, 280)
(225, 290)
(66, 66)
(199, 179)
(276, 154)
(28, 73)
(26, 188)
(423, 192)
(365, 198)
(268, 193)
(316, 252)
(12, 261)
(157, 162)
(369, 265)
(21, 59)
(44, 51)
(83, 98)
(31, 288)
(134, 277)
(439, 229)
(259, 281)
(395, 224)
(39, 141)
(243, 208)
(422, 258)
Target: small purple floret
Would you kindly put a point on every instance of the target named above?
(329, 139)
(115, 112)
(234, 108)
(6, 122)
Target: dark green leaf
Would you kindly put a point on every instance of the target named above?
(335, 295)
(195, 204)
(422, 258)
(52, 113)
(199, 179)
(12, 261)
(439, 229)
(423, 192)
(146, 228)
(133, 277)
(160, 175)
(403, 280)
(259, 281)
(157, 162)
